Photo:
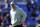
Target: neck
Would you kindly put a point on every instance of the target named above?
(13, 8)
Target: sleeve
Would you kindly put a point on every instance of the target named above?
(23, 15)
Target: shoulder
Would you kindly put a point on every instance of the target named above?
(10, 10)
(20, 9)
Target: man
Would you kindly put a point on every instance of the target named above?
(28, 5)
(18, 16)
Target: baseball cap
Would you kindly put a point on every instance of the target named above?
(13, 2)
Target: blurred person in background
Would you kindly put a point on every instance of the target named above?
(33, 4)
(6, 21)
(38, 24)
(5, 12)
(33, 14)
(1, 16)
(2, 24)
(2, 21)
(6, 4)
(17, 15)
(1, 5)
(37, 3)
(28, 4)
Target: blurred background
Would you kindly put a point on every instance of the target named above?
(31, 7)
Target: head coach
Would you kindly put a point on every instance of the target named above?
(17, 15)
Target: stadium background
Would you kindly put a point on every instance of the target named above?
(31, 8)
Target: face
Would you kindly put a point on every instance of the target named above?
(13, 6)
